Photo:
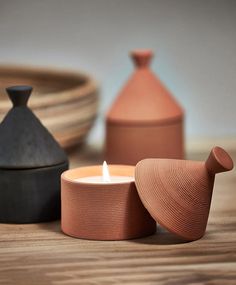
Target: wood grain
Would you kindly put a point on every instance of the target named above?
(42, 254)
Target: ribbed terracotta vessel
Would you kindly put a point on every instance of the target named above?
(145, 120)
(177, 193)
(103, 211)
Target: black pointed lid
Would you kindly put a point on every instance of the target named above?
(24, 141)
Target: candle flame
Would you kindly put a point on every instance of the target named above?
(105, 173)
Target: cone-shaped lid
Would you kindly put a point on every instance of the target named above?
(177, 193)
(144, 99)
(24, 141)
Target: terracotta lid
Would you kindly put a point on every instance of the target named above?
(144, 99)
(24, 141)
(177, 193)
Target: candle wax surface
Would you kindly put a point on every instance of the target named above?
(100, 180)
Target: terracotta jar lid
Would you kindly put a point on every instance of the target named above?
(144, 99)
(24, 142)
(177, 193)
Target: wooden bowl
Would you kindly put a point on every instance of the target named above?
(65, 101)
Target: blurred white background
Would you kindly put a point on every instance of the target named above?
(194, 42)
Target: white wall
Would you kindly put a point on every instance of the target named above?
(194, 42)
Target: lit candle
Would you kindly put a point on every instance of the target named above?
(105, 178)
(103, 204)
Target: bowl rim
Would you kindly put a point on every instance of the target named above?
(88, 88)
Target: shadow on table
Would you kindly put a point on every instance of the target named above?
(161, 237)
(54, 226)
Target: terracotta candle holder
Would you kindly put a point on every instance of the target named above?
(103, 211)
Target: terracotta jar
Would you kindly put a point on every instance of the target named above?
(31, 163)
(177, 193)
(145, 120)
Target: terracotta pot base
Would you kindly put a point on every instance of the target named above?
(130, 144)
(103, 211)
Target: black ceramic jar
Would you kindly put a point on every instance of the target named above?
(31, 163)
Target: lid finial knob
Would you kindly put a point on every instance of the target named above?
(219, 161)
(141, 58)
(19, 95)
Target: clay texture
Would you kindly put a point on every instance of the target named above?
(177, 193)
(145, 120)
(103, 211)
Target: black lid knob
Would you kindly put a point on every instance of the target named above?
(19, 95)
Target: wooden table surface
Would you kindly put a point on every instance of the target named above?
(42, 254)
